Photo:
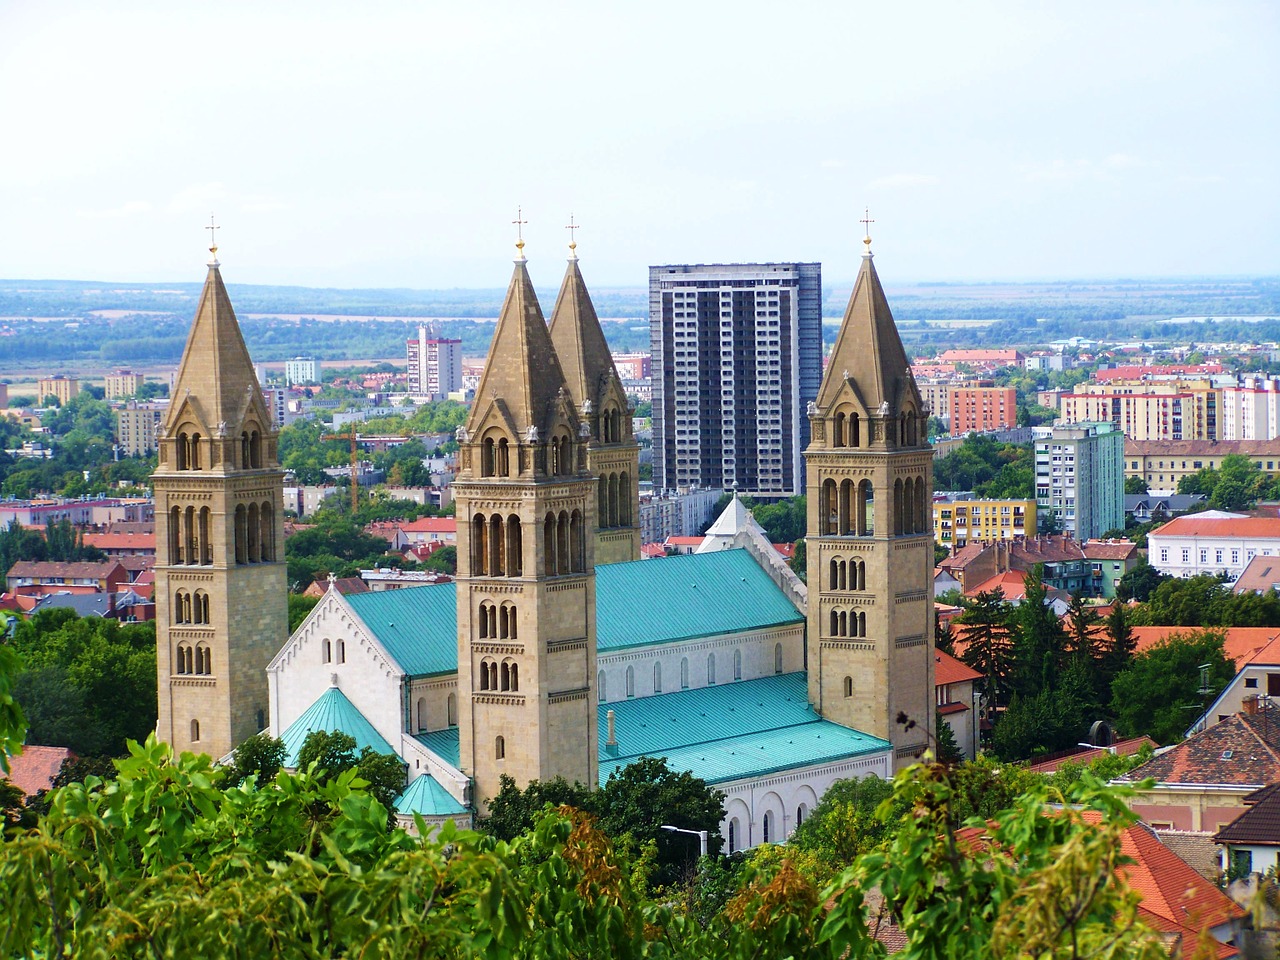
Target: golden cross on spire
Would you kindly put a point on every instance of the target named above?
(573, 238)
(866, 223)
(213, 239)
(520, 222)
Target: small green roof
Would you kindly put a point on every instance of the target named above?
(676, 598)
(425, 796)
(418, 626)
(332, 711)
(443, 743)
(729, 731)
(638, 603)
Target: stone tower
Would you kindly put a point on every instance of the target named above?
(870, 532)
(526, 581)
(220, 572)
(613, 456)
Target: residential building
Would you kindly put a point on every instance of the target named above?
(389, 578)
(737, 358)
(1260, 574)
(435, 365)
(958, 521)
(1251, 842)
(957, 702)
(936, 395)
(301, 370)
(63, 388)
(4, 395)
(676, 514)
(37, 578)
(633, 366)
(1213, 542)
(1145, 507)
(1045, 360)
(1162, 464)
(1092, 568)
(1154, 371)
(1256, 686)
(1148, 410)
(1080, 477)
(121, 384)
(220, 584)
(980, 406)
(1251, 409)
(983, 358)
(277, 402)
(136, 426)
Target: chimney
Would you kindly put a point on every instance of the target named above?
(613, 738)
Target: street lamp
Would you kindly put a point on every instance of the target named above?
(700, 834)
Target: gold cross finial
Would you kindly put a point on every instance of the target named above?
(213, 240)
(866, 222)
(573, 228)
(519, 222)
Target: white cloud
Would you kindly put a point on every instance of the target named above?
(132, 208)
(905, 180)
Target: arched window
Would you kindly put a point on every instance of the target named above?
(504, 672)
(711, 668)
(737, 664)
(507, 624)
(562, 542)
(422, 714)
(242, 534)
(897, 508)
(478, 553)
(602, 506)
(342, 651)
(485, 631)
(487, 466)
(828, 510)
(837, 431)
(185, 663)
(255, 449)
(624, 499)
(500, 748)
(183, 451)
(204, 659)
(549, 545)
(266, 533)
(203, 528)
(801, 813)
(202, 607)
(601, 693)
(515, 677)
(657, 677)
(684, 673)
(195, 451)
(777, 658)
(190, 548)
(631, 681)
(503, 466)
(515, 546)
(493, 674)
(451, 706)
(181, 607)
(497, 547)
(175, 535)
(768, 823)
(195, 731)
(733, 835)
(613, 500)
(326, 655)
(855, 430)
(484, 674)
(245, 458)
(865, 509)
(845, 525)
(848, 686)
(577, 543)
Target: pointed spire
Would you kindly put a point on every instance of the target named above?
(522, 370)
(868, 350)
(578, 340)
(216, 371)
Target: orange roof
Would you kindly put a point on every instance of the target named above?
(35, 767)
(1243, 644)
(1191, 525)
(947, 669)
(1123, 748)
(121, 541)
(431, 525)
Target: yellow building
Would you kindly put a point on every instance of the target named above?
(64, 388)
(136, 428)
(122, 383)
(1148, 410)
(958, 522)
(1162, 465)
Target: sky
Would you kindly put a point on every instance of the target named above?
(385, 144)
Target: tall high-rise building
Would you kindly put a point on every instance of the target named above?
(220, 572)
(122, 383)
(301, 370)
(870, 555)
(981, 406)
(136, 427)
(1080, 477)
(737, 358)
(64, 388)
(435, 365)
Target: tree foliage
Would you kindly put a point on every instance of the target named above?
(1164, 688)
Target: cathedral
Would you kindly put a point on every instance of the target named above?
(556, 651)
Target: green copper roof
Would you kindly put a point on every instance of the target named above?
(418, 626)
(637, 603)
(729, 731)
(443, 743)
(698, 595)
(332, 711)
(427, 798)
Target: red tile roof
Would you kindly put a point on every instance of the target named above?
(947, 669)
(121, 541)
(1240, 751)
(78, 571)
(1259, 823)
(1191, 525)
(1259, 575)
(1123, 748)
(35, 767)
(431, 525)
(1109, 549)
(1243, 644)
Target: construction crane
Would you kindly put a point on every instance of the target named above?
(355, 466)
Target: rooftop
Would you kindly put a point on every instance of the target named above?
(332, 711)
(1219, 526)
(1240, 751)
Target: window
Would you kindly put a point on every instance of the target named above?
(767, 824)
(500, 748)
(657, 678)
(711, 668)
(195, 731)
(327, 655)
(848, 686)
(342, 651)
(801, 813)
(777, 658)
(1251, 682)
(737, 664)
(631, 681)
(684, 673)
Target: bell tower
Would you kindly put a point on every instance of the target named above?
(613, 456)
(526, 581)
(870, 532)
(220, 572)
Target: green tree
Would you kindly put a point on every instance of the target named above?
(1039, 648)
(514, 810)
(1164, 688)
(1134, 485)
(299, 607)
(260, 756)
(444, 560)
(1139, 583)
(989, 645)
(332, 753)
(946, 748)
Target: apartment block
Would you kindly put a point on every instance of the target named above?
(435, 365)
(1163, 464)
(958, 521)
(736, 357)
(1251, 409)
(122, 383)
(1080, 477)
(301, 370)
(980, 406)
(1174, 409)
(136, 427)
(64, 388)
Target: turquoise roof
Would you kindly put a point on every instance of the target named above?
(729, 731)
(332, 711)
(426, 797)
(443, 743)
(676, 598)
(418, 626)
(637, 603)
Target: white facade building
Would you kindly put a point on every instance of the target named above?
(1250, 410)
(301, 370)
(1213, 542)
(435, 366)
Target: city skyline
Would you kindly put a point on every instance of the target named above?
(391, 145)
